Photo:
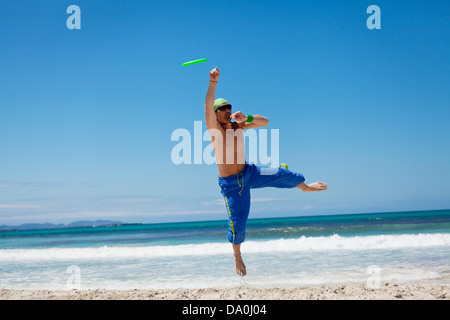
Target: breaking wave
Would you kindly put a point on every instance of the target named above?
(328, 243)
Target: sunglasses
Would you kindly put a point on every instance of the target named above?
(225, 107)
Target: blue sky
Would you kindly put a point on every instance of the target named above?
(86, 116)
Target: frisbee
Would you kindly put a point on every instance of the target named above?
(193, 62)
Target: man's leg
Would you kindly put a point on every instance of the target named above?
(275, 177)
(238, 207)
(284, 178)
(240, 266)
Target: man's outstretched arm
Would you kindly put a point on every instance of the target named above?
(210, 116)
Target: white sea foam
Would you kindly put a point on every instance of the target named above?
(335, 242)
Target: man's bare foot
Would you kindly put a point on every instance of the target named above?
(318, 186)
(240, 266)
(315, 186)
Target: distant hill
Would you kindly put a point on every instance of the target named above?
(95, 223)
(76, 224)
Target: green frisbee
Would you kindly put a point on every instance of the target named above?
(193, 62)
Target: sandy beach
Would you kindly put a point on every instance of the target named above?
(339, 292)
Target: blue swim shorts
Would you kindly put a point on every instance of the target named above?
(236, 191)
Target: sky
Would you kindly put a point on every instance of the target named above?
(87, 115)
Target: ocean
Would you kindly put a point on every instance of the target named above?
(370, 249)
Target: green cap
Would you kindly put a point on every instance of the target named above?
(219, 102)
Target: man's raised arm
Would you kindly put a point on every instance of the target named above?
(210, 116)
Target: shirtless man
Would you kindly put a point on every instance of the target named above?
(236, 176)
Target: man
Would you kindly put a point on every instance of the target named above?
(236, 176)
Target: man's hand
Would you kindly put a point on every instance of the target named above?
(239, 117)
(214, 74)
